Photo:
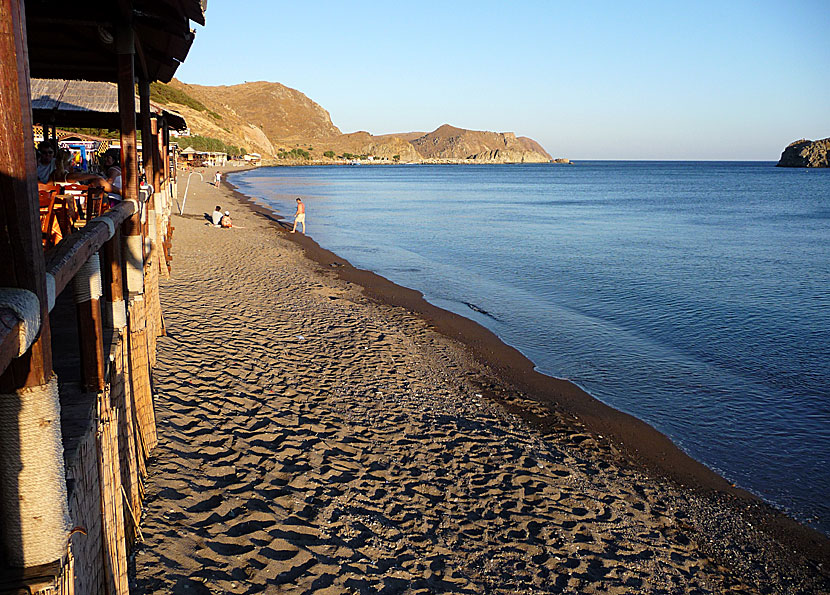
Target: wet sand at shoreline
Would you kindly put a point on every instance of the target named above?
(318, 434)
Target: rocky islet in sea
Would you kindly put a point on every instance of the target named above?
(806, 153)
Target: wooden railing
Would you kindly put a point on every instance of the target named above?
(64, 260)
(62, 263)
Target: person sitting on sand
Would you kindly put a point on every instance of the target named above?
(299, 216)
(216, 216)
(226, 220)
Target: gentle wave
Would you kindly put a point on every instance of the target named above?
(692, 295)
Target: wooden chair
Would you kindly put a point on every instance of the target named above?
(47, 214)
(94, 202)
(70, 195)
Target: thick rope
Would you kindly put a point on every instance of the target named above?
(51, 290)
(109, 223)
(26, 308)
(134, 256)
(136, 204)
(152, 230)
(32, 481)
(117, 314)
(87, 282)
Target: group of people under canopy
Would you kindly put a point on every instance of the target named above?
(56, 166)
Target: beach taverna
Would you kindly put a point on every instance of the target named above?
(78, 322)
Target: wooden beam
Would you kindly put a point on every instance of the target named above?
(113, 269)
(91, 339)
(146, 134)
(64, 260)
(166, 148)
(158, 174)
(19, 211)
(126, 108)
(144, 72)
(132, 231)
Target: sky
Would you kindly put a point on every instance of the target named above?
(710, 80)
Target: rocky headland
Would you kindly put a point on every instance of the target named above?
(279, 122)
(806, 153)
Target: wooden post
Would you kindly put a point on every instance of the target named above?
(22, 264)
(152, 147)
(33, 505)
(113, 275)
(87, 285)
(157, 162)
(168, 173)
(133, 240)
(146, 134)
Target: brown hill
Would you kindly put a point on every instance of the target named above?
(272, 119)
(448, 142)
(363, 143)
(279, 111)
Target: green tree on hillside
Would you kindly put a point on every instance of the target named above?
(206, 143)
(296, 153)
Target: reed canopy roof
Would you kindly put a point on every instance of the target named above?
(82, 104)
(80, 39)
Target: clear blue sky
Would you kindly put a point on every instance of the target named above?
(589, 80)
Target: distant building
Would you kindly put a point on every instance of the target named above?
(194, 158)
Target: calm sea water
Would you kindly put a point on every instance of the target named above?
(693, 295)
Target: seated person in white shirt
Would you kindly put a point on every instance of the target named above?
(45, 162)
(216, 216)
(112, 183)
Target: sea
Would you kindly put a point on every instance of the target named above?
(692, 295)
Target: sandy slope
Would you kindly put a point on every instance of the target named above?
(315, 441)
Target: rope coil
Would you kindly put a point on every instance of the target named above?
(117, 314)
(134, 255)
(51, 290)
(109, 223)
(36, 522)
(87, 282)
(26, 308)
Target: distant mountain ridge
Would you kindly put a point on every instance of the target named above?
(273, 119)
(448, 142)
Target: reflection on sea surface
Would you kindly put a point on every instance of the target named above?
(692, 295)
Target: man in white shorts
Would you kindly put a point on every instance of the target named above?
(299, 216)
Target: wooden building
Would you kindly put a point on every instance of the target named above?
(88, 104)
(78, 322)
(190, 157)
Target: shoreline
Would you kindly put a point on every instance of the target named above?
(642, 446)
(324, 430)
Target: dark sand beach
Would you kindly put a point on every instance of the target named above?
(322, 430)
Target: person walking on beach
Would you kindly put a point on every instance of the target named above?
(299, 216)
(217, 178)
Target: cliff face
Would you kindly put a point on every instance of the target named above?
(279, 111)
(266, 117)
(448, 142)
(806, 153)
(363, 143)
